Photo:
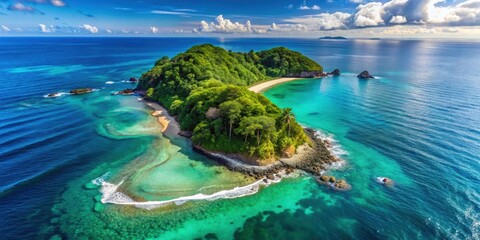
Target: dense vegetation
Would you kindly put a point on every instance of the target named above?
(205, 87)
(232, 119)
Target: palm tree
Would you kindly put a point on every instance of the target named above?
(288, 117)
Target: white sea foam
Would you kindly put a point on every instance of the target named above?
(109, 82)
(111, 195)
(100, 180)
(335, 148)
(55, 95)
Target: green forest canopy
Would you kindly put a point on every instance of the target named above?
(205, 87)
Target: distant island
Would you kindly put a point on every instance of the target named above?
(206, 89)
(333, 38)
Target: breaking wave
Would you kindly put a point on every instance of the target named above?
(111, 195)
(54, 95)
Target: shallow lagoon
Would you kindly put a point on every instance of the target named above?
(418, 129)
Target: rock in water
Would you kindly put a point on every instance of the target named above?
(133, 80)
(81, 91)
(341, 184)
(364, 75)
(335, 72)
(332, 179)
(127, 91)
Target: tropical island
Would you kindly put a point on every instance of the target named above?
(205, 88)
(333, 38)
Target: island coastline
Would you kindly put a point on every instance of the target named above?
(313, 158)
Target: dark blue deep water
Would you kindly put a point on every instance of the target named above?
(418, 123)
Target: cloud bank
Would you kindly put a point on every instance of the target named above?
(223, 25)
(426, 13)
(414, 12)
(89, 28)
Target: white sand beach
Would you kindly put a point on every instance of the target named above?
(268, 84)
(170, 126)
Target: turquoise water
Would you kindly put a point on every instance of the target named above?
(417, 123)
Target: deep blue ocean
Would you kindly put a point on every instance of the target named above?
(417, 123)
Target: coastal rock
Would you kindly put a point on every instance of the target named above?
(81, 91)
(127, 91)
(331, 179)
(313, 159)
(132, 80)
(324, 178)
(288, 152)
(187, 134)
(335, 72)
(341, 185)
(270, 177)
(364, 75)
(51, 95)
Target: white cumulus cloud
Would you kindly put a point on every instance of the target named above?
(45, 29)
(154, 29)
(305, 7)
(424, 16)
(223, 25)
(89, 28)
(413, 12)
(323, 21)
(287, 28)
(368, 15)
(5, 28)
(398, 20)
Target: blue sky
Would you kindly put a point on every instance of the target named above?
(356, 18)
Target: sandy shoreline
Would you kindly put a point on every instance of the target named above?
(169, 125)
(268, 84)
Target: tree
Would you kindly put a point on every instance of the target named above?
(232, 111)
(258, 125)
(247, 127)
(288, 117)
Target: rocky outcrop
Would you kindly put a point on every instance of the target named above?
(81, 91)
(313, 159)
(132, 80)
(339, 185)
(335, 72)
(238, 165)
(187, 134)
(316, 158)
(52, 95)
(127, 91)
(364, 75)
